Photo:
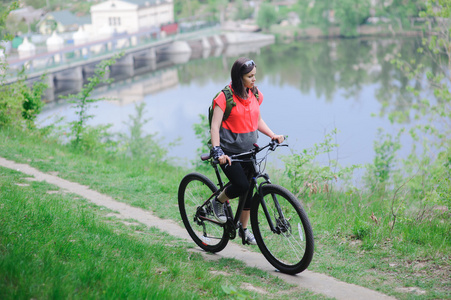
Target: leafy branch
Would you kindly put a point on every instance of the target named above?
(82, 100)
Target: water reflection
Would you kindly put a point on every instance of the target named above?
(309, 87)
(136, 89)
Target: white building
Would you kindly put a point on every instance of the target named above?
(132, 15)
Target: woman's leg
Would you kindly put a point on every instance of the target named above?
(244, 219)
(237, 173)
(239, 185)
(238, 179)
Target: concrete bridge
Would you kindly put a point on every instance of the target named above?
(73, 61)
(72, 65)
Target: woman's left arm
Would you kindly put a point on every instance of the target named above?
(264, 128)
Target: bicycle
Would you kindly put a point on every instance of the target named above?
(280, 225)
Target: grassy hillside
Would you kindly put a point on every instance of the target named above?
(398, 266)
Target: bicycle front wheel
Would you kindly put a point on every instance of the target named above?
(194, 190)
(282, 230)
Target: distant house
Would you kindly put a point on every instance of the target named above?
(27, 14)
(61, 21)
(132, 15)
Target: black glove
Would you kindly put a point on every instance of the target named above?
(216, 152)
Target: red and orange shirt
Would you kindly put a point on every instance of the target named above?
(239, 131)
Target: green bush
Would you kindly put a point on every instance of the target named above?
(19, 103)
(137, 144)
(361, 229)
(78, 134)
(307, 176)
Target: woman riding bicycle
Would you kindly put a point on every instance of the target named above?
(237, 134)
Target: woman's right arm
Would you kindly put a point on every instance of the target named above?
(214, 132)
(215, 125)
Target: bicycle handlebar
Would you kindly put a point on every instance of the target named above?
(272, 145)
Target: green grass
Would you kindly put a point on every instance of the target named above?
(349, 245)
(56, 245)
(354, 248)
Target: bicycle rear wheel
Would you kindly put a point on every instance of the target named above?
(282, 230)
(194, 190)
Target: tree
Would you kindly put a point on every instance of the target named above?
(315, 13)
(400, 11)
(48, 4)
(82, 100)
(18, 102)
(186, 8)
(242, 11)
(218, 9)
(430, 165)
(5, 9)
(350, 14)
(267, 16)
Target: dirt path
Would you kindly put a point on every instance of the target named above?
(315, 282)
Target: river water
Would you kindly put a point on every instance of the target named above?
(309, 88)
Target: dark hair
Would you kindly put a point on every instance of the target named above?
(241, 66)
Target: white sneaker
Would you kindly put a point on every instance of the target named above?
(248, 237)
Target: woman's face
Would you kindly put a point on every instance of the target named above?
(249, 78)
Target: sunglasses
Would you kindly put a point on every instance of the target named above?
(249, 63)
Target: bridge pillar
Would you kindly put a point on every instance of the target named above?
(49, 80)
(123, 65)
(70, 74)
(146, 59)
(205, 44)
(178, 52)
(152, 54)
(125, 60)
(206, 47)
(89, 70)
(218, 41)
(68, 79)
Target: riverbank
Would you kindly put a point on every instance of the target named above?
(395, 266)
(289, 33)
(57, 244)
(319, 284)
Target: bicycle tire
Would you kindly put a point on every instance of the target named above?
(291, 250)
(194, 190)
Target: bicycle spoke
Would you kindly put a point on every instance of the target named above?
(194, 190)
(295, 246)
(290, 247)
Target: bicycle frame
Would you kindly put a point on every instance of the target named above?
(249, 156)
